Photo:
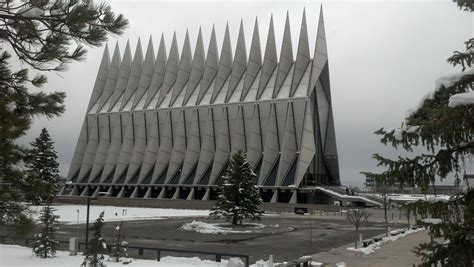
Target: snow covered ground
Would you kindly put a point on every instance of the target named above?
(377, 245)
(17, 256)
(69, 213)
(221, 228)
(410, 197)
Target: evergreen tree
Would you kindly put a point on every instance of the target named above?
(97, 246)
(239, 197)
(119, 246)
(45, 244)
(46, 35)
(42, 177)
(443, 124)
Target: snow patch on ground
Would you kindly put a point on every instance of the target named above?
(461, 99)
(221, 228)
(22, 257)
(68, 213)
(412, 197)
(377, 245)
(432, 221)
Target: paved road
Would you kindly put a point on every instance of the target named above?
(394, 254)
(290, 240)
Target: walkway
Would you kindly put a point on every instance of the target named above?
(397, 253)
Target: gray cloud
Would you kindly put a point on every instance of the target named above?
(382, 56)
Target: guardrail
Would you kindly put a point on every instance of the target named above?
(140, 250)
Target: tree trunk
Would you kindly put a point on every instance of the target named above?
(235, 220)
(357, 237)
(385, 210)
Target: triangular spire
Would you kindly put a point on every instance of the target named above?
(171, 70)
(225, 64)
(184, 69)
(302, 56)
(197, 69)
(112, 77)
(158, 72)
(270, 60)
(255, 61)
(286, 57)
(101, 77)
(135, 73)
(240, 62)
(147, 72)
(124, 73)
(320, 52)
(210, 69)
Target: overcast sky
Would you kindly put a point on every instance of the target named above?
(383, 57)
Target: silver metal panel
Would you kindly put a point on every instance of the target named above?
(225, 65)
(164, 152)
(104, 144)
(298, 111)
(101, 78)
(78, 156)
(270, 60)
(122, 80)
(135, 74)
(210, 69)
(115, 146)
(194, 145)
(92, 145)
(112, 76)
(197, 69)
(155, 122)
(140, 145)
(272, 146)
(223, 144)
(255, 62)
(255, 143)
(146, 74)
(320, 52)
(302, 56)
(240, 63)
(179, 147)
(208, 147)
(183, 71)
(158, 76)
(171, 71)
(127, 148)
(307, 147)
(289, 146)
(239, 141)
(286, 57)
(323, 111)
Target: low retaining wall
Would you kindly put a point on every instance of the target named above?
(186, 204)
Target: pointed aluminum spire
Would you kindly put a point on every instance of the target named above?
(171, 71)
(270, 60)
(124, 74)
(147, 72)
(135, 73)
(158, 72)
(101, 78)
(197, 69)
(286, 57)
(210, 69)
(302, 56)
(183, 71)
(320, 52)
(225, 64)
(112, 77)
(240, 62)
(255, 61)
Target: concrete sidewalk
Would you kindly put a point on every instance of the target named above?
(397, 253)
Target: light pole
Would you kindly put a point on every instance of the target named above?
(87, 216)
